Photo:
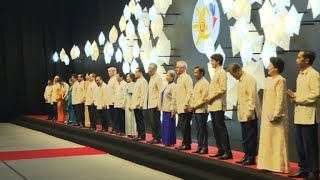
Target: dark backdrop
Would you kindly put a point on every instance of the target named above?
(31, 31)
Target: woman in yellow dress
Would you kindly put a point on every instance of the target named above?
(273, 145)
(60, 103)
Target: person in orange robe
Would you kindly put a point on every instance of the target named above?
(60, 103)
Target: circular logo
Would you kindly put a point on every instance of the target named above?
(205, 23)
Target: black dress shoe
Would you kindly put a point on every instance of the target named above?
(241, 160)
(184, 147)
(226, 156)
(197, 150)
(312, 176)
(299, 174)
(217, 154)
(204, 151)
(156, 141)
(249, 162)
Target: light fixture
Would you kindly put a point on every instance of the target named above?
(132, 6)
(66, 60)
(126, 67)
(126, 13)
(88, 49)
(119, 56)
(95, 51)
(73, 52)
(130, 31)
(136, 50)
(77, 51)
(137, 11)
(152, 13)
(157, 26)
(122, 24)
(134, 66)
(62, 54)
(113, 35)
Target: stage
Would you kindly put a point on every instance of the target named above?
(183, 164)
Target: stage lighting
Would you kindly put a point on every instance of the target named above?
(101, 38)
(55, 57)
(88, 49)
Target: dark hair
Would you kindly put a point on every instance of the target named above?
(310, 55)
(99, 77)
(218, 58)
(93, 75)
(121, 74)
(81, 75)
(139, 69)
(74, 76)
(277, 63)
(234, 67)
(202, 71)
(132, 76)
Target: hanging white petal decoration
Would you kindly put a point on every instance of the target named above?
(122, 41)
(122, 24)
(77, 51)
(107, 59)
(136, 50)
(162, 6)
(132, 6)
(134, 66)
(127, 54)
(138, 11)
(62, 54)
(101, 38)
(246, 52)
(88, 49)
(268, 50)
(267, 14)
(66, 60)
(154, 55)
(95, 51)
(73, 52)
(55, 57)
(126, 67)
(113, 35)
(157, 26)
(130, 31)
(163, 49)
(119, 56)
(292, 21)
(145, 17)
(152, 13)
(126, 13)
(227, 6)
(208, 48)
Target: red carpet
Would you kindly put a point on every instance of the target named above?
(236, 154)
(48, 153)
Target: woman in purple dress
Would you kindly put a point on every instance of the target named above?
(168, 108)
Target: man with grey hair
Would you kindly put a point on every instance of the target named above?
(185, 87)
(112, 85)
(154, 92)
(248, 110)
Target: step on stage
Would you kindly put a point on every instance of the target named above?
(182, 164)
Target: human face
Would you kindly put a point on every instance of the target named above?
(71, 81)
(91, 78)
(169, 78)
(180, 69)
(197, 74)
(137, 74)
(302, 62)
(214, 63)
(80, 78)
(272, 70)
(119, 79)
(129, 80)
(98, 81)
(110, 72)
(151, 70)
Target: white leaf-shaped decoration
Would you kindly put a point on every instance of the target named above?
(66, 60)
(77, 51)
(154, 55)
(130, 31)
(127, 54)
(157, 26)
(55, 57)
(107, 59)
(145, 17)
(152, 13)
(95, 51)
(163, 49)
(137, 11)
(267, 14)
(62, 54)
(119, 56)
(122, 24)
(73, 52)
(122, 41)
(126, 67)
(108, 49)
(132, 6)
(126, 13)
(136, 50)
(113, 35)
(227, 6)
(246, 52)
(268, 50)
(162, 6)
(101, 38)
(146, 48)
(88, 49)
(292, 21)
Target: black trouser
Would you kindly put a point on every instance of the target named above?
(202, 129)
(307, 147)
(155, 123)
(103, 119)
(138, 114)
(185, 119)
(120, 121)
(49, 108)
(79, 113)
(93, 116)
(55, 112)
(112, 113)
(220, 131)
(250, 138)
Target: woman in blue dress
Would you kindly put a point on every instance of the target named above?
(70, 119)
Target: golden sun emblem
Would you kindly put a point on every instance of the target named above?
(201, 25)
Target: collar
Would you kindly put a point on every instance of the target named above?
(243, 76)
(304, 72)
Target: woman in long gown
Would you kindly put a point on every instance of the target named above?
(86, 110)
(60, 103)
(273, 145)
(130, 122)
(168, 108)
(68, 107)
